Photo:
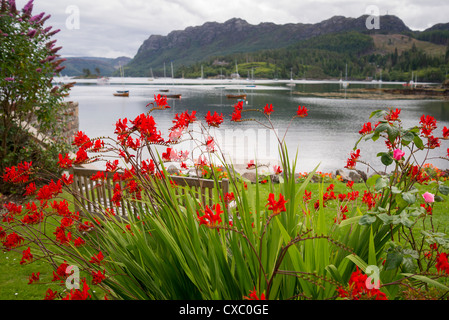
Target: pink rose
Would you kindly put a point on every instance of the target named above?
(428, 197)
(398, 154)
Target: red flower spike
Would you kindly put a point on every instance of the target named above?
(428, 124)
(97, 259)
(34, 278)
(64, 162)
(302, 112)
(276, 206)
(26, 256)
(214, 120)
(210, 218)
(50, 294)
(268, 109)
(351, 162)
(253, 295)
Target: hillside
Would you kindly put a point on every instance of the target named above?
(235, 36)
(92, 66)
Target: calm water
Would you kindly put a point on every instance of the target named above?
(326, 136)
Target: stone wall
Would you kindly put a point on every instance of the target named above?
(70, 120)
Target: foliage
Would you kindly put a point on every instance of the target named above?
(28, 63)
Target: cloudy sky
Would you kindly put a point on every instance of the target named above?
(112, 28)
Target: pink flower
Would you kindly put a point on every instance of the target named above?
(398, 154)
(428, 197)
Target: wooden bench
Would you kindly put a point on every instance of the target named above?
(93, 196)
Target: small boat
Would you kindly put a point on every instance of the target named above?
(163, 90)
(236, 96)
(124, 93)
(121, 93)
(174, 96)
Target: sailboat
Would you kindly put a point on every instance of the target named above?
(151, 78)
(291, 84)
(122, 93)
(345, 83)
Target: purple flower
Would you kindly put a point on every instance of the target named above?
(31, 33)
(9, 79)
(28, 8)
(37, 18)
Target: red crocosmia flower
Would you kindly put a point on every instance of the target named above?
(202, 161)
(34, 277)
(117, 196)
(268, 109)
(76, 294)
(210, 218)
(253, 295)
(433, 142)
(277, 169)
(85, 226)
(428, 124)
(147, 166)
(442, 263)
(98, 176)
(49, 191)
(367, 128)
(78, 242)
(19, 174)
(30, 189)
(307, 196)
(276, 206)
(81, 156)
(112, 166)
(98, 145)
(12, 240)
(161, 101)
(64, 162)
(121, 126)
(67, 180)
(26, 256)
(250, 164)
(357, 288)
(61, 272)
(82, 140)
(210, 144)
(61, 235)
(50, 294)
(229, 196)
(183, 165)
(34, 217)
(97, 259)
(354, 156)
(214, 120)
(98, 277)
(13, 209)
(236, 116)
(239, 105)
(445, 133)
(61, 208)
(393, 115)
(302, 112)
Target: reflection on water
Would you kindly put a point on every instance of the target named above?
(326, 136)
